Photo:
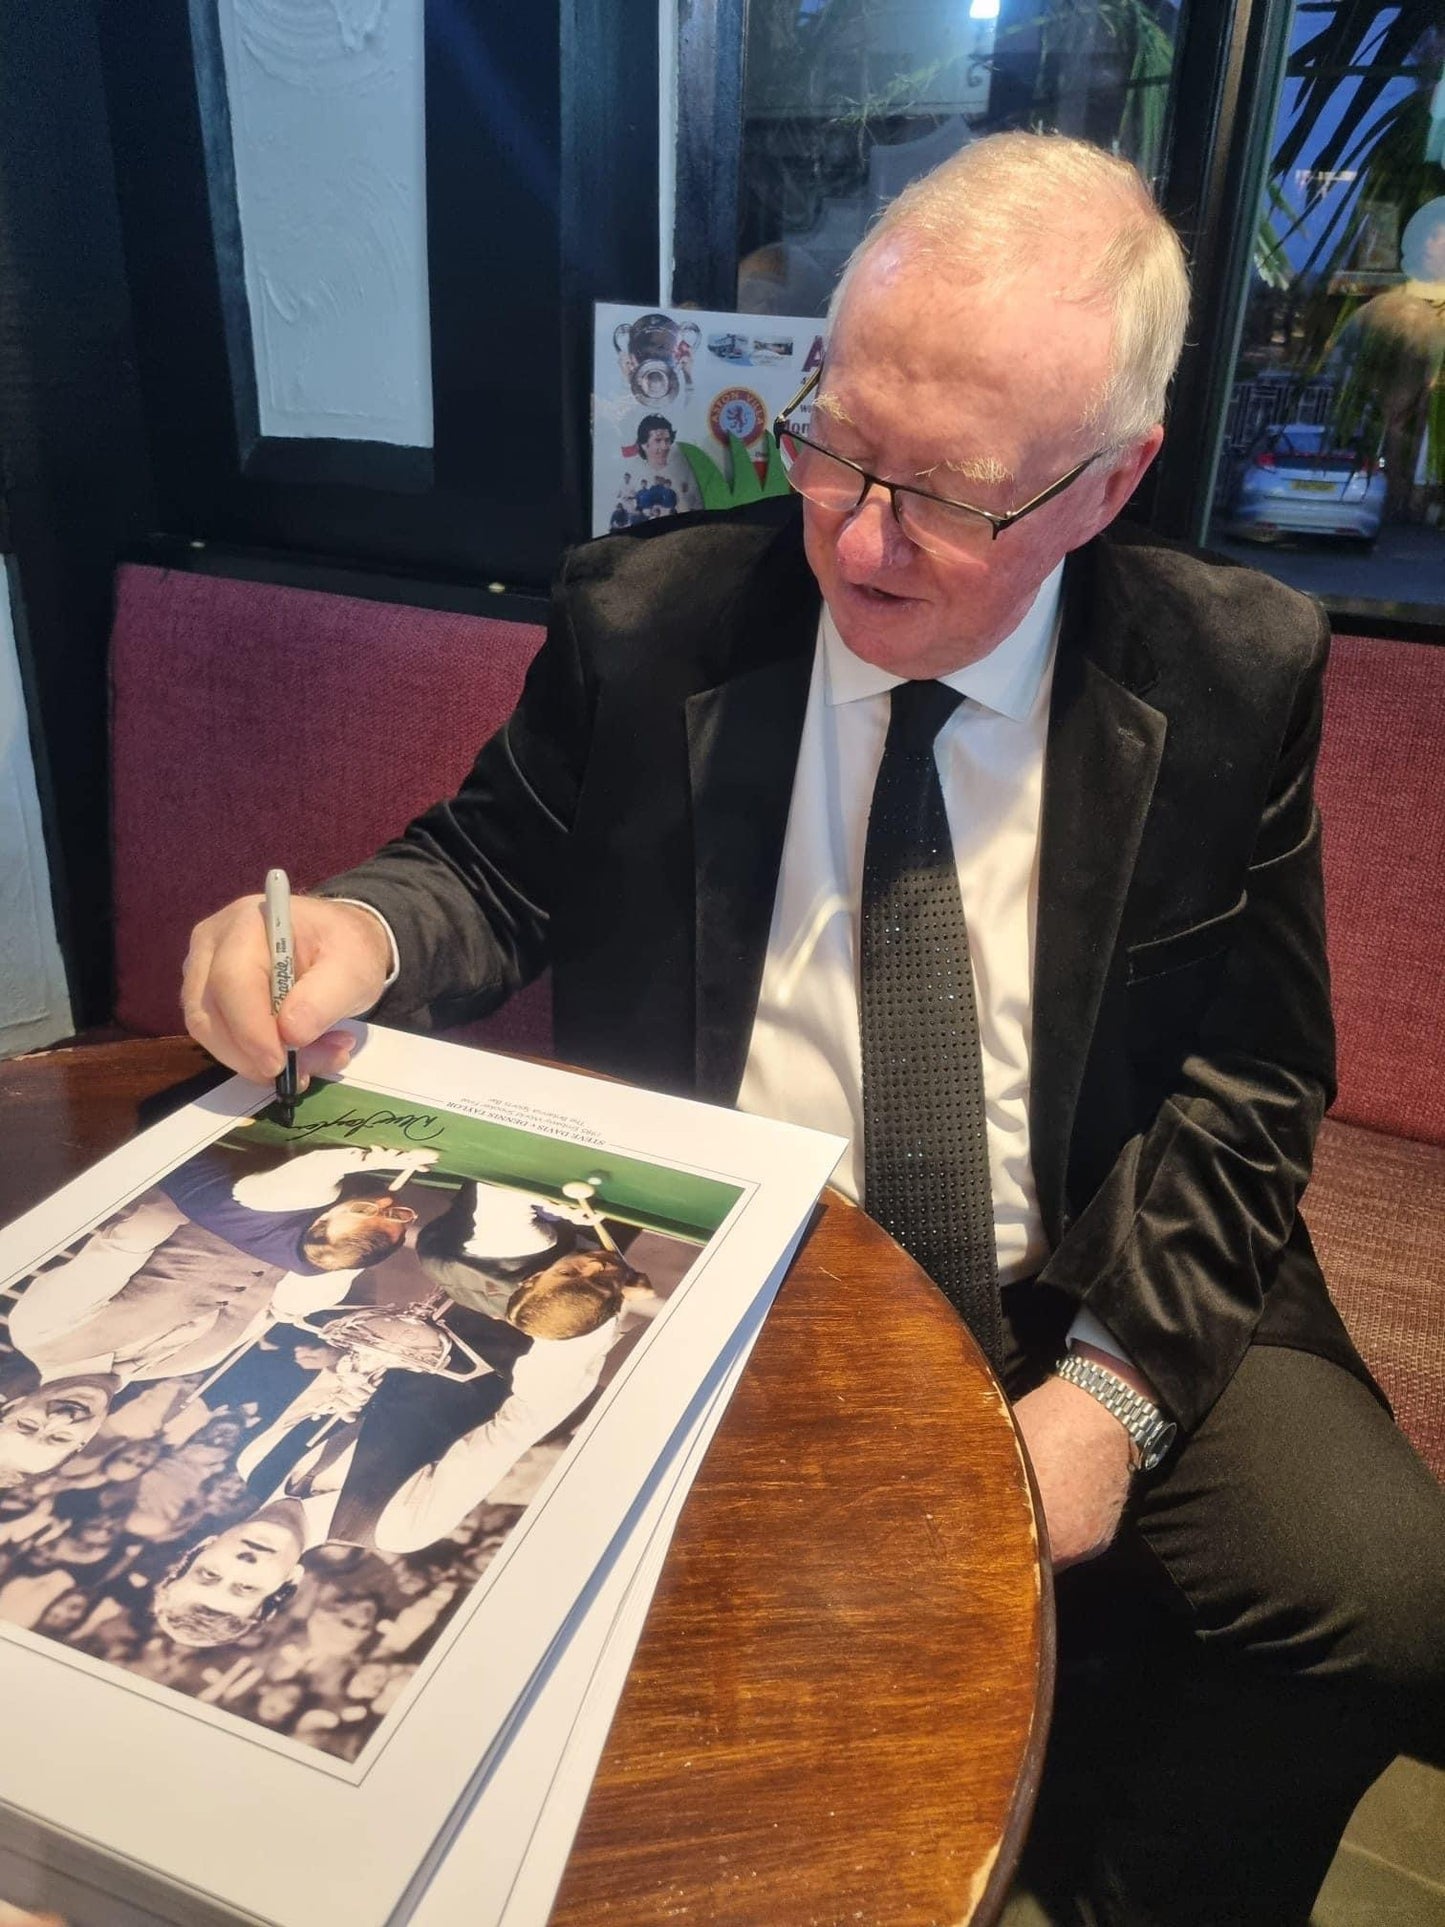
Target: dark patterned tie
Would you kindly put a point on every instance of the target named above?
(925, 1148)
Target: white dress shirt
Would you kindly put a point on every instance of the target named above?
(804, 1060)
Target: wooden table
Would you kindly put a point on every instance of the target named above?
(838, 1709)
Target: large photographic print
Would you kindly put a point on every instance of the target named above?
(264, 1429)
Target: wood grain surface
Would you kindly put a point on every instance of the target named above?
(60, 1110)
(838, 1710)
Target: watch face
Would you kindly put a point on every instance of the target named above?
(1157, 1450)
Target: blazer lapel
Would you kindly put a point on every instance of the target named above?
(742, 745)
(1104, 747)
(742, 741)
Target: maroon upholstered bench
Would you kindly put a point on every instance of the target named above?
(1376, 1206)
(254, 725)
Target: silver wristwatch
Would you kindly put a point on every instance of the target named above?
(1151, 1432)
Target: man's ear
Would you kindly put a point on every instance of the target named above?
(1128, 471)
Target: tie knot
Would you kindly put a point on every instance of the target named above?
(918, 710)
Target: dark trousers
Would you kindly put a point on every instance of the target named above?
(1265, 1635)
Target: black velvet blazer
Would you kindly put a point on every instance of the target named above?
(626, 827)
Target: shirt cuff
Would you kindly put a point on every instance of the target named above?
(1087, 1330)
(394, 971)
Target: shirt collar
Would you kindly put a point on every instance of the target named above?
(1006, 680)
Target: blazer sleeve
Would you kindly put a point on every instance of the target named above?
(1177, 1247)
(467, 889)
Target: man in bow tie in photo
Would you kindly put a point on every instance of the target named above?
(945, 812)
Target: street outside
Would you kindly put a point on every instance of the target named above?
(1407, 565)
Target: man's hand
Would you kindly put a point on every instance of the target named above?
(1080, 1456)
(342, 961)
(378, 1158)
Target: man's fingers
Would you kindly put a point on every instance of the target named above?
(330, 1054)
(208, 1026)
(195, 1008)
(226, 986)
(225, 991)
(238, 999)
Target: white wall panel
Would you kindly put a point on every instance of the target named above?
(34, 1005)
(328, 132)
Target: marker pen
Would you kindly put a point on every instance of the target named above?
(283, 975)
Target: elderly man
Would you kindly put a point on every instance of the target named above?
(1091, 1113)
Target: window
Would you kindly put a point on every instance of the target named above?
(1331, 469)
(843, 102)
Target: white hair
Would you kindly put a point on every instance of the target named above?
(1008, 204)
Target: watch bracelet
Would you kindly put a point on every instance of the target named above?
(1140, 1418)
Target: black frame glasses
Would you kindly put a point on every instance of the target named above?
(866, 481)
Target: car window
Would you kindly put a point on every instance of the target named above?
(1305, 438)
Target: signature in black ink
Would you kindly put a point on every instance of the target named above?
(417, 1127)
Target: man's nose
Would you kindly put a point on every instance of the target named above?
(870, 540)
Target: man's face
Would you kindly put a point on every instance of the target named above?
(132, 1461)
(239, 1569)
(82, 1545)
(45, 1428)
(274, 1704)
(340, 1625)
(226, 1492)
(979, 398)
(162, 1498)
(226, 1433)
(63, 1615)
(367, 1681)
(657, 448)
(351, 1213)
(533, 1292)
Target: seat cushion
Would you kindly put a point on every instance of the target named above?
(1381, 789)
(253, 725)
(1376, 1212)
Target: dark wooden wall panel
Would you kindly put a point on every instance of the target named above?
(76, 479)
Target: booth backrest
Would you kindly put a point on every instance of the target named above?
(254, 725)
(1382, 795)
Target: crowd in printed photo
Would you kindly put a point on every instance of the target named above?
(263, 1431)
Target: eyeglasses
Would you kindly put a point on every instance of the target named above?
(931, 522)
(385, 1208)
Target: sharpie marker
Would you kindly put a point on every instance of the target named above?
(283, 975)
